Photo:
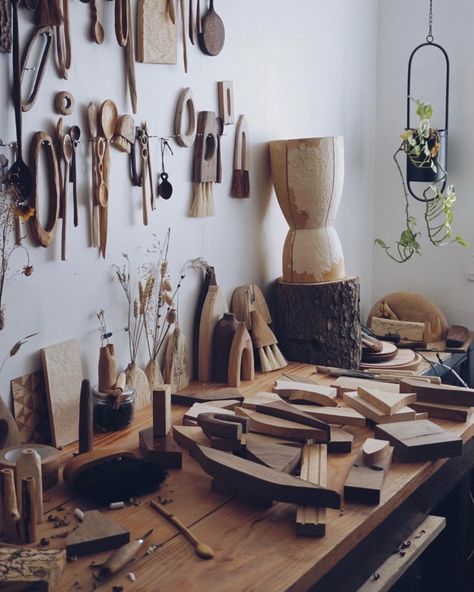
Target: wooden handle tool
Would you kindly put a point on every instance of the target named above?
(130, 61)
(122, 556)
(183, 23)
(121, 22)
(201, 549)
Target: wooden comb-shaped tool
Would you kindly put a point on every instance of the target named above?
(265, 342)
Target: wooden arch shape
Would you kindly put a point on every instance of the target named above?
(44, 236)
(241, 361)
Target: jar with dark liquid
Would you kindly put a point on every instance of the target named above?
(112, 413)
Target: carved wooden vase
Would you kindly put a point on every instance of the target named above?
(308, 177)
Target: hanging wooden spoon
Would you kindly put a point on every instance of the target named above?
(19, 175)
(92, 119)
(213, 31)
(67, 151)
(108, 119)
(97, 30)
(75, 134)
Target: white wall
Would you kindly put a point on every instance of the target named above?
(440, 272)
(300, 70)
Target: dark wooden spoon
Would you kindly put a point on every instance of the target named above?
(213, 31)
(19, 175)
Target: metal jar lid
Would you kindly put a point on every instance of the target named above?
(128, 395)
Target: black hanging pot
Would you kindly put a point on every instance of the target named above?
(425, 174)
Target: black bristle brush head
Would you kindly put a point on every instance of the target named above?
(119, 479)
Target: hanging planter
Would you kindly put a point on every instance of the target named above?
(419, 168)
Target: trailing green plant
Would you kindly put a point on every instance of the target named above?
(422, 146)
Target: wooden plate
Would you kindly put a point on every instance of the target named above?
(389, 351)
(405, 358)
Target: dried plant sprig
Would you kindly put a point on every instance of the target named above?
(104, 334)
(9, 212)
(15, 348)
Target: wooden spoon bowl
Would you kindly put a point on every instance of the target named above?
(108, 119)
(213, 31)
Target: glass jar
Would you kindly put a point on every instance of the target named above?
(111, 414)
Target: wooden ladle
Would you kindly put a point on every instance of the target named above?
(213, 31)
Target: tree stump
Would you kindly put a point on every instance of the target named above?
(319, 323)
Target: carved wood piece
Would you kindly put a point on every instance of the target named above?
(374, 451)
(44, 235)
(157, 34)
(432, 393)
(365, 481)
(205, 149)
(185, 134)
(262, 481)
(36, 568)
(388, 403)
(225, 92)
(311, 521)
(223, 394)
(96, 533)
(420, 440)
(374, 414)
(213, 309)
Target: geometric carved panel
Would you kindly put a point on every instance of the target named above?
(30, 408)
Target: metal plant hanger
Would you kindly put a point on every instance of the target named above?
(416, 171)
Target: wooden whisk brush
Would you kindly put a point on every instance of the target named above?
(265, 342)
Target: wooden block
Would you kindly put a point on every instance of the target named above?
(364, 482)
(157, 35)
(444, 393)
(188, 436)
(420, 416)
(96, 533)
(62, 369)
(306, 393)
(335, 415)
(281, 428)
(374, 451)
(443, 411)
(161, 450)
(161, 410)
(388, 403)
(225, 91)
(223, 394)
(31, 569)
(277, 456)
(406, 329)
(346, 384)
(235, 491)
(190, 417)
(223, 425)
(311, 521)
(341, 441)
(396, 565)
(374, 414)
(262, 481)
(420, 440)
(241, 361)
(457, 336)
(205, 153)
(286, 411)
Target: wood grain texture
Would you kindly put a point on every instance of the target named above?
(346, 384)
(96, 533)
(213, 309)
(157, 35)
(388, 403)
(29, 567)
(276, 456)
(161, 410)
(176, 361)
(365, 481)
(241, 360)
(62, 369)
(443, 411)
(319, 323)
(335, 415)
(284, 410)
(444, 393)
(225, 93)
(373, 451)
(281, 428)
(406, 329)
(9, 432)
(299, 392)
(374, 414)
(262, 481)
(420, 440)
(223, 394)
(185, 133)
(205, 149)
(311, 521)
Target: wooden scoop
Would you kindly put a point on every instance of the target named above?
(241, 175)
(213, 31)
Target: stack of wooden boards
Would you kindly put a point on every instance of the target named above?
(251, 446)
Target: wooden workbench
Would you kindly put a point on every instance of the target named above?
(257, 549)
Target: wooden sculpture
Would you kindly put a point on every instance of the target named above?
(241, 362)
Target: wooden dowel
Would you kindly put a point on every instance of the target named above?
(29, 511)
(203, 550)
(86, 430)
(29, 465)
(9, 509)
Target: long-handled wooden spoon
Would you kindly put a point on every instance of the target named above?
(201, 549)
(67, 151)
(97, 30)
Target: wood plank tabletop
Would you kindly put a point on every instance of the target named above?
(255, 549)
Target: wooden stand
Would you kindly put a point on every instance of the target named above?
(319, 323)
(156, 442)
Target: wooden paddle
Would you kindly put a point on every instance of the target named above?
(212, 31)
